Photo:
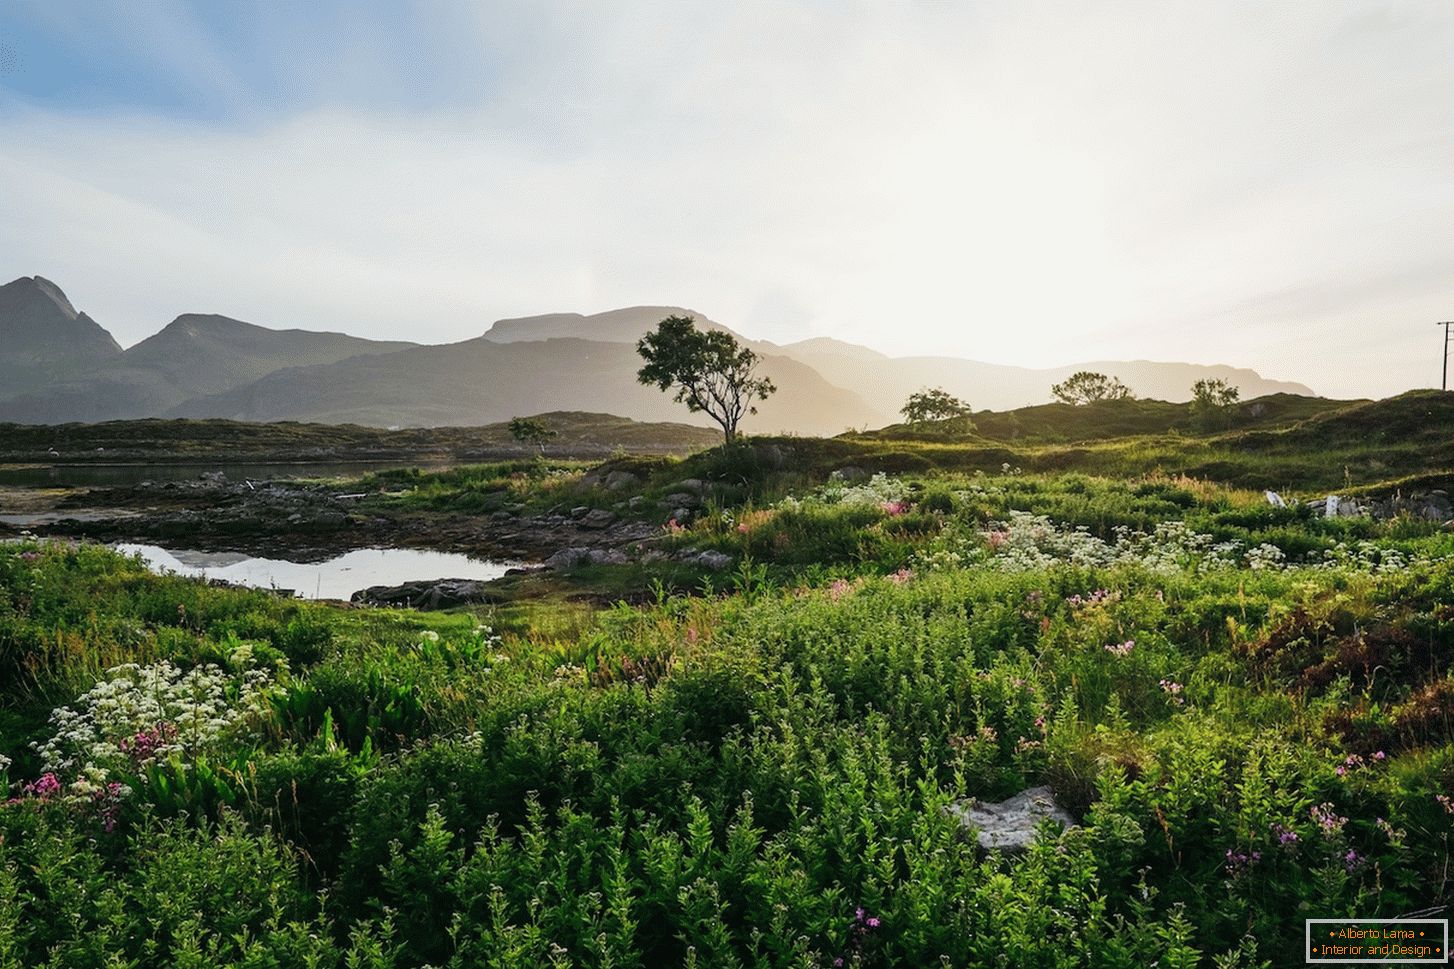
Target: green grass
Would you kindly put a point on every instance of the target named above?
(726, 770)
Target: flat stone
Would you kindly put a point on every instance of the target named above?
(1010, 825)
(598, 518)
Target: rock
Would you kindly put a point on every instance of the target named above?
(213, 477)
(621, 480)
(682, 499)
(425, 594)
(580, 511)
(1274, 499)
(708, 559)
(681, 515)
(569, 558)
(598, 518)
(577, 556)
(636, 502)
(693, 486)
(850, 473)
(1009, 825)
(501, 515)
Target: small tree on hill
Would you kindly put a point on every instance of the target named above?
(1088, 387)
(1212, 401)
(530, 431)
(711, 371)
(936, 405)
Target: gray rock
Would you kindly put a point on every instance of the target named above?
(580, 511)
(1009, 825)
(681, 515)
(850, 473)
(621, 480)
(709, 559)
(578, 555)
(682, 499)
(636, 502)
(569, 558)
(598, 518)
(428, 594)
(694, 486)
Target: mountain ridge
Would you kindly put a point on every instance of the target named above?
(211, 365)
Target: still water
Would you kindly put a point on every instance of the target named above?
(335, 578)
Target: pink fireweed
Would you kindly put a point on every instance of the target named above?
(893, 508)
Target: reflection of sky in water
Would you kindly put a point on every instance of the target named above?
(336, 578)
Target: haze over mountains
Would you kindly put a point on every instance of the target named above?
(58, 365)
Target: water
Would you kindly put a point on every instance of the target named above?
(127, 475)
(335, 578)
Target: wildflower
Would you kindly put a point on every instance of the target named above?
(429, 635)
(872, 922)
(1285, 836)
(1352, 861)
(901, 577)
(1173, 689)
(1239, 861)
(893, 508)
(44, 787)
(1327, 819)
(1040, 724)
(1379, 755)
(1445, 802)
(4, 763)
(1121, 649)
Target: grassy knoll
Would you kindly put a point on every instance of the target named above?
(1250, 711)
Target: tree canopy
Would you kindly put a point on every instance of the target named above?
(934, 405)
(529, 430)
(1088, 387)
(711, 372)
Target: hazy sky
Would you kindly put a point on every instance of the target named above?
(1266, 185)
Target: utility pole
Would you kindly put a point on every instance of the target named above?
(1444, 384)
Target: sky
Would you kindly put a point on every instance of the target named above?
(1032, 183)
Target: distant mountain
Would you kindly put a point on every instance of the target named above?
(59, 365)
(43, 337)
(194, 355)
(886, 381)
(480, 381)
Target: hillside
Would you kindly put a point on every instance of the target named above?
(481, 381)
(188, 441)
(42, 336)
(195, 354)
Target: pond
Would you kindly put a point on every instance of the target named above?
(335, 578)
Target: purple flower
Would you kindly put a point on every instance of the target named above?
(872, 923)
(1352, 860)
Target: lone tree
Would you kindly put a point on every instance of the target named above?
(1088, 387)
(934, 405)
(529, 430)
(1212, 401)
(711, 372)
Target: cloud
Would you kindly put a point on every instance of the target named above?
(1031, 184)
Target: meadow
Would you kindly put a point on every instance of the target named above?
(1248, 708)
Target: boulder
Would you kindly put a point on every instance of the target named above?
(1010, 825)
(621, 480)
(569, 558)
(580, 511)
(850, 473)
(598, 518)
(578, 555)
(692, 486)
(425, 594)
(708, 559)
(682, 499)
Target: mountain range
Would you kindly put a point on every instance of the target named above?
(58, 365)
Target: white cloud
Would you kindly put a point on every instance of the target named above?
(1028, 184)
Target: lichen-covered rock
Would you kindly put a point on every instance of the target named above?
(1010, 825)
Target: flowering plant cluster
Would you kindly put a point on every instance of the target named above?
(138, 715)
(880, 491)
